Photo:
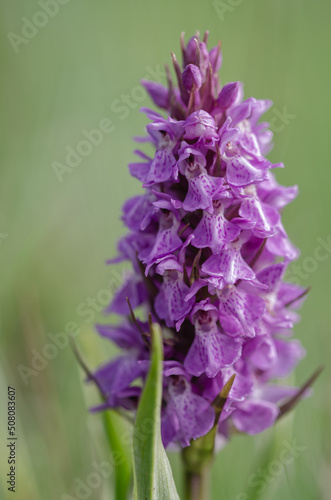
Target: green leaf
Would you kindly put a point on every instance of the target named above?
(111, 425)
(122, 477)
(151, 468)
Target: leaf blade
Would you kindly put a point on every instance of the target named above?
(123, 471)
(152, 474)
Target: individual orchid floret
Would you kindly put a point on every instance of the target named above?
(170, 303)
(240, 311)
(228, 96)
(192, 78)
(214, 231)
(211, 350)
(164, 165)
(229, 263)
(191, 414)
(201, 127)
(203, 189)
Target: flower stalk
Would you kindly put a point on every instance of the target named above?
(197, 485)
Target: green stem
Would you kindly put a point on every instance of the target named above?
(197, 484)
(198, 457)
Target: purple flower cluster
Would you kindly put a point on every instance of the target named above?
(209, 253)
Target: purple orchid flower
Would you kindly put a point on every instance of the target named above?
(209, 254)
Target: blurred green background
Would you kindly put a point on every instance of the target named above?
(67, 76)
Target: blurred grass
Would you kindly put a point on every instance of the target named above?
(64, 80)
